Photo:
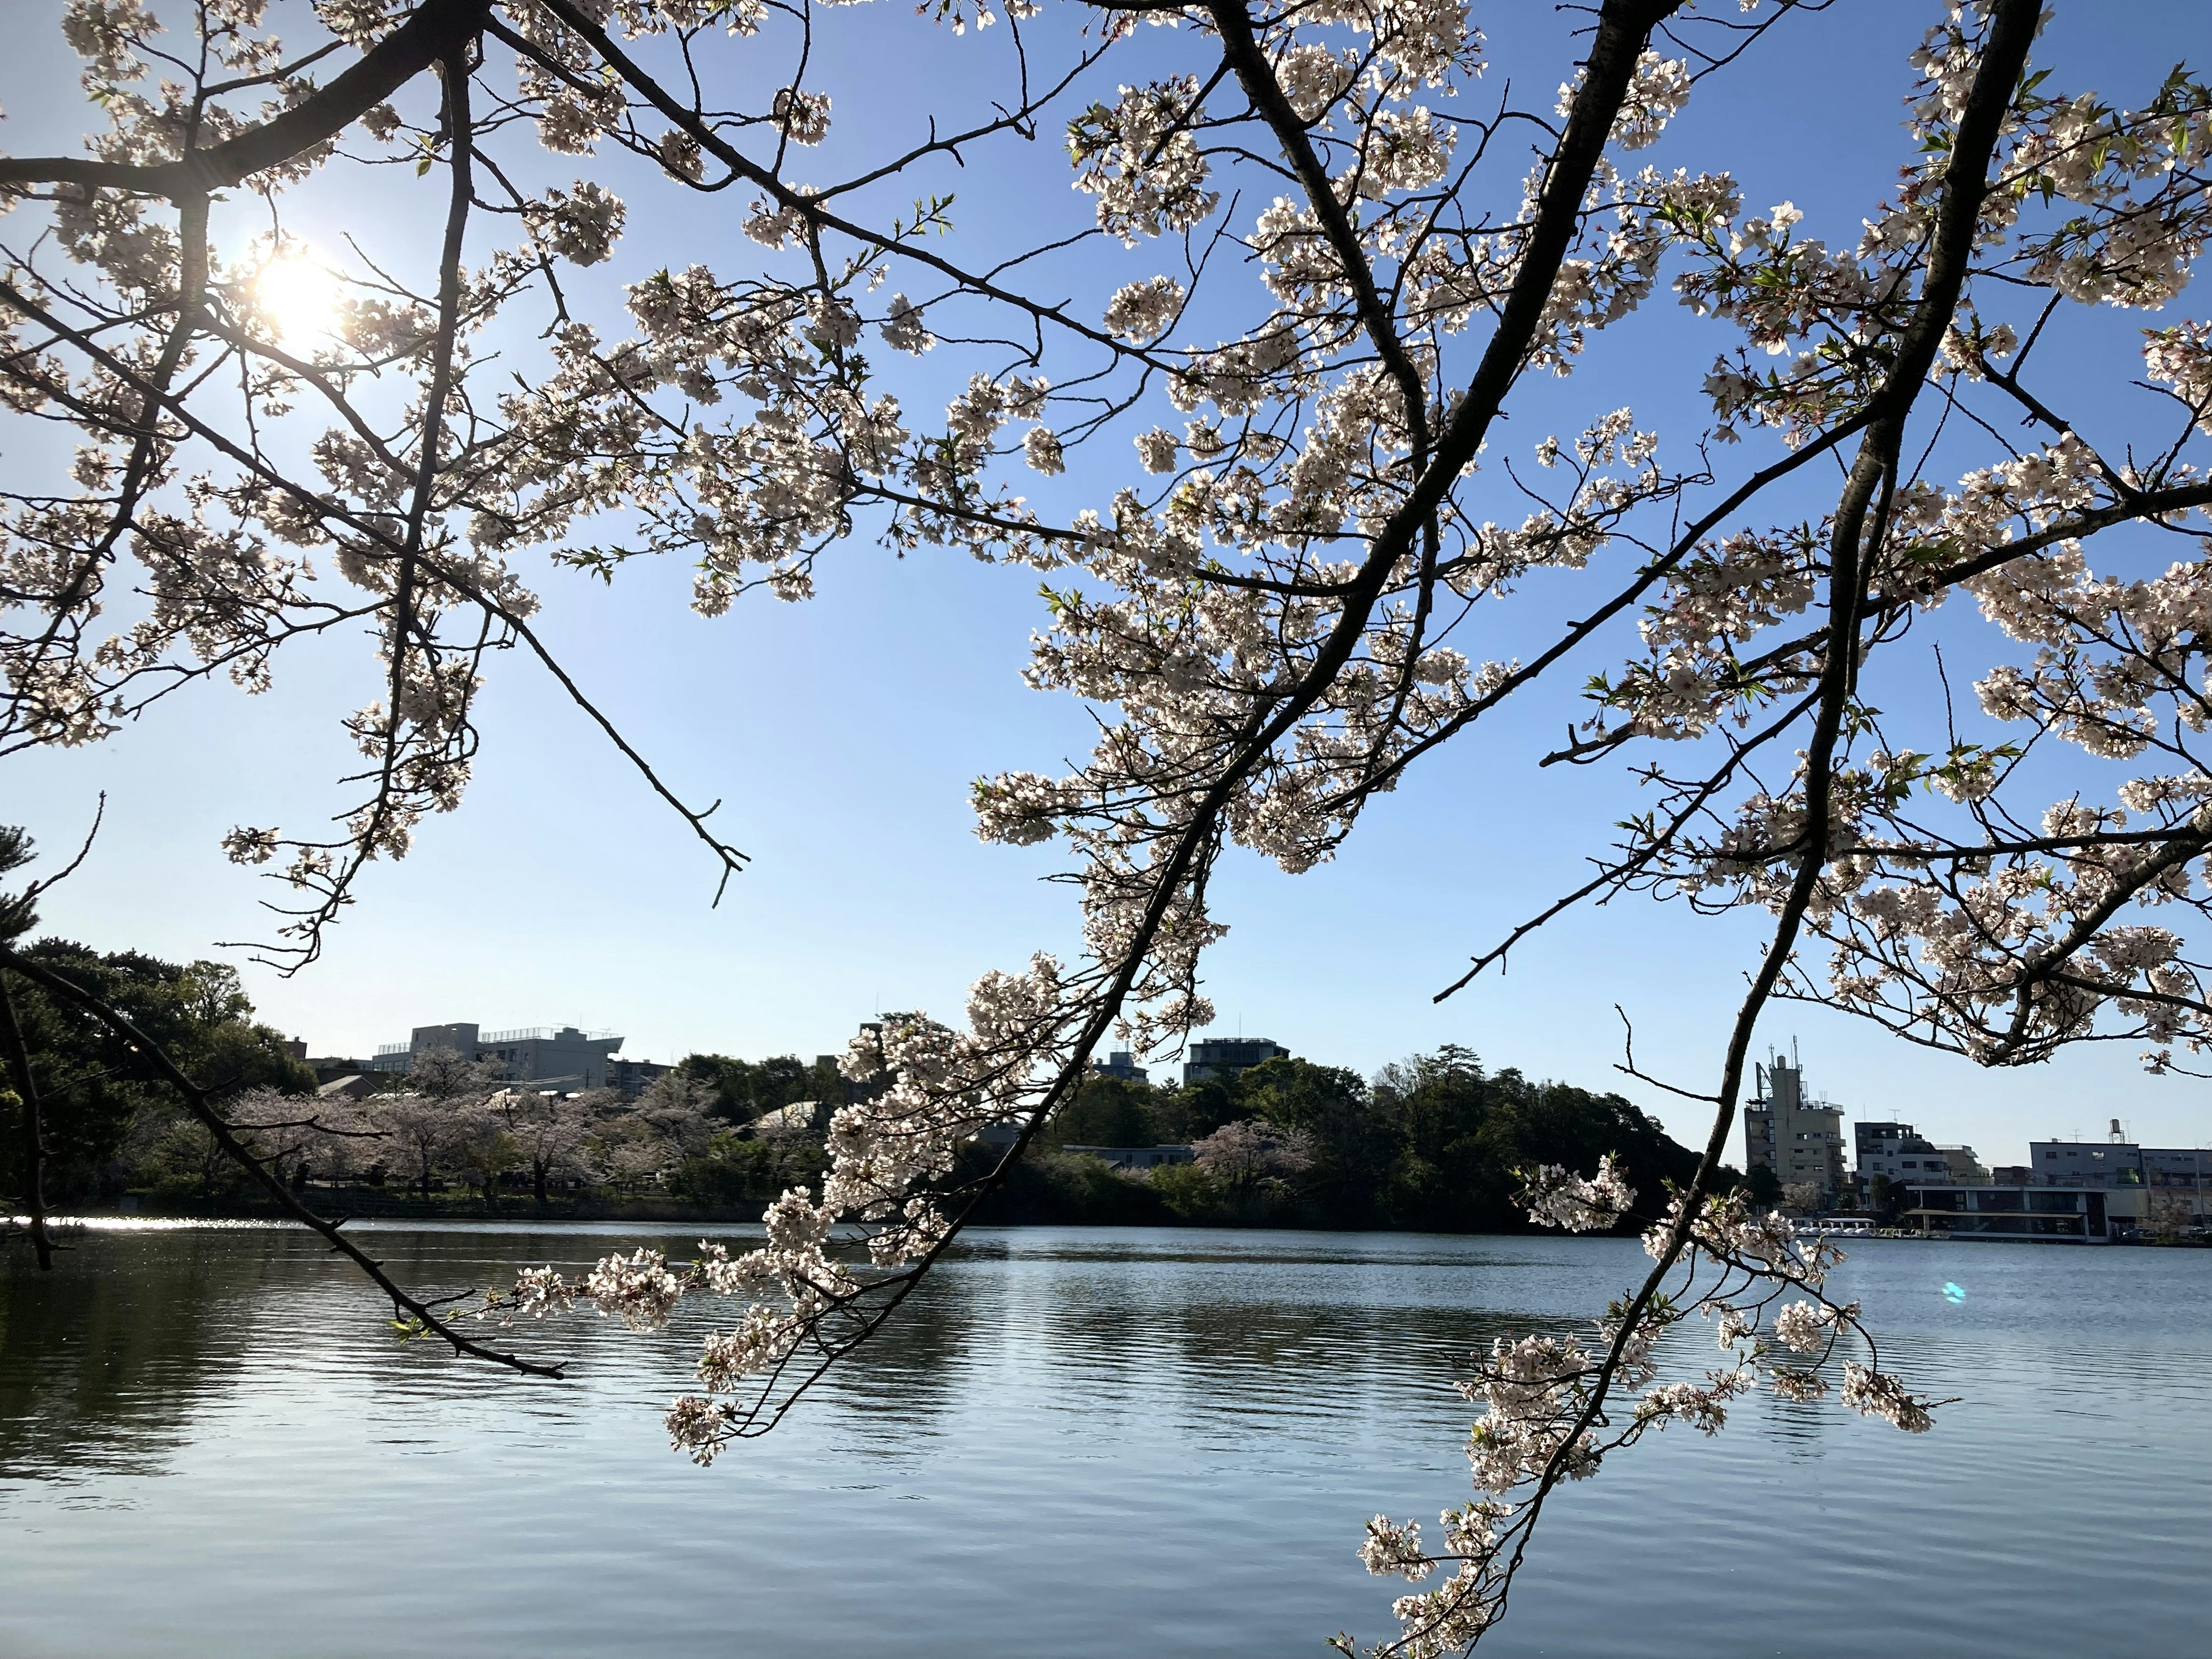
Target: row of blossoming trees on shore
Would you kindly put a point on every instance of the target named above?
(456, 1126)
(113, 1128)
(1241, 399)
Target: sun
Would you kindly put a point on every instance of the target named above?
(298, 297)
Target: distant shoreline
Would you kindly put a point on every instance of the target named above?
(676, 1213)
(522, 1211)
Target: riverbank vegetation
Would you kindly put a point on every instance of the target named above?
(1433, 1143)
(109, 1121)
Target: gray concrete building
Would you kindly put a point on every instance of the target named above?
(2114, 1163)
(1801, 1140)
(552, 1057)
(2101, 1165)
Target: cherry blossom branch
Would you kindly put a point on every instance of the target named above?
(437, 29)
(752, 172)
(730, 856)
(1240, 51)
(2002, 60)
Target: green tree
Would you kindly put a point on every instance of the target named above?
(1108, 1111)
(1352, 1146)
(1885, 1195)
(1464, 1135)
(737, 1168)
(744, 1088)
(1196, 1109)
(98, 1096)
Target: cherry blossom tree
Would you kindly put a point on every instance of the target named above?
(1310, 258)
(1251, 1153)
(551, 1135)
(641, 1143)
(424, 1135)
(294, 1137)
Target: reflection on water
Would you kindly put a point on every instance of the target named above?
(1070, 1443)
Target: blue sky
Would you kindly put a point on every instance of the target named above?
(842, 735)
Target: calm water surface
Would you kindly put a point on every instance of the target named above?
(1075, 1444)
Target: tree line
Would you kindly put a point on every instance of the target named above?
(113, 1128)
(1430, 1142)
(1433, 1142)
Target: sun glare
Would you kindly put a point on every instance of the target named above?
(297, 296)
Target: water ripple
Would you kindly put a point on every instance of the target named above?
(1073, 1443)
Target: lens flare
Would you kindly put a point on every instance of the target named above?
(297, 297)
(1954, 1293)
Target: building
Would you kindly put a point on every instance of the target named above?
(1134, 1157)
(2012, 1175)
(2153, 1189)
(1899, 1152)
(2176, 1166)
(552, 1057)
(1800, 1140)
(549, 1055)
(2037, 1214)
(2175, 1178)
(1225, 1057)
(1123, 1065)
(2103, 1164)
(456, 1038)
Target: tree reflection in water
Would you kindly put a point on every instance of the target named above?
(1083, 1443)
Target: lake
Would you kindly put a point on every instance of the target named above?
(1073, 1444)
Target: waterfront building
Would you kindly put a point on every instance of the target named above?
(1135, 1157)
(2163, 1188)
(1800, 1140)
(1225, 1057)
(560, 1057)
(2038, 1214)
(1123, 1065)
